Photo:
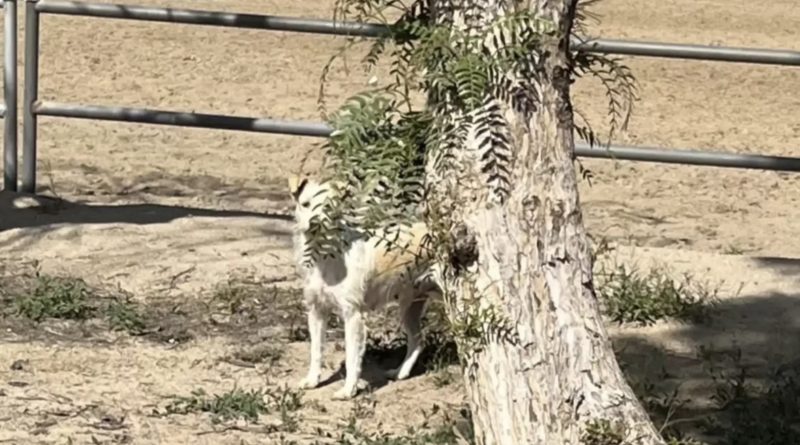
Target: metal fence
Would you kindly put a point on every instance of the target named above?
(33, 107)
(8, 110)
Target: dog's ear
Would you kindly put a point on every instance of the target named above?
(296, 185)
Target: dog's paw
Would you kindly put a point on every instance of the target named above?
(308, 382)
(345, 393)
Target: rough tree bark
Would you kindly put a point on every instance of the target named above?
(533, 265)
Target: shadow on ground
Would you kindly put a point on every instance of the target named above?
(42, 216)
(733, 381)
(21, 211)
(789, 267)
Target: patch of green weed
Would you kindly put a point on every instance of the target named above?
(124, 315)
(632, 296)
(55, 297)
(234, 404)
(241, 404)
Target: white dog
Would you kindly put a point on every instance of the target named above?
(367, 276)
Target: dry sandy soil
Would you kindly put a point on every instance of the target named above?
(167, 214)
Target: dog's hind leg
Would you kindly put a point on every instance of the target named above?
(355, 340)
(411, 315)
(316, 332)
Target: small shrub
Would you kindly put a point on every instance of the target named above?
(240, 404)
(630, 296)
(123, 315)
(234, 404)
(55, 297)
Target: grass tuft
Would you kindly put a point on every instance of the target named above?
(241, 404)
(643, 298)
(64, 298)
(124, 315)
(234, 404)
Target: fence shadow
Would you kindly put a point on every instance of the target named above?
(783, 265)
(20, 211)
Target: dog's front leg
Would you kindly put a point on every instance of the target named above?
(316, 334)
(354, 345)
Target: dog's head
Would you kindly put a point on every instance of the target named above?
(308, 195)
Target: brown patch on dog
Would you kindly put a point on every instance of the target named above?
(404, 252)
(296, 185)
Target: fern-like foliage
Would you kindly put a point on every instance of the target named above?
(381, 143)
(616, 77)
(471, 76)
(375, 163)
(618, 81)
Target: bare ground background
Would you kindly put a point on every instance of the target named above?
(168, 214)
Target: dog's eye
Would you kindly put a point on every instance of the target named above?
(304, 204)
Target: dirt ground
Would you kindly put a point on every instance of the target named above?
(167, 213)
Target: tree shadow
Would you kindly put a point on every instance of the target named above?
(733, 381)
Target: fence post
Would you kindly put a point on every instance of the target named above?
(10, 96)
(31, 96)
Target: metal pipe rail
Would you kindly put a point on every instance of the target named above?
(33, 108)
(690, 52)
(318, 26)
(179, 119)
(314, 129)
(9, 107)
(209, 18)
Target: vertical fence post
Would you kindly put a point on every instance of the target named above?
(31, 96)
(10, 96)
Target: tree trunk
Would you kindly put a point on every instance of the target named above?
(557, 381)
